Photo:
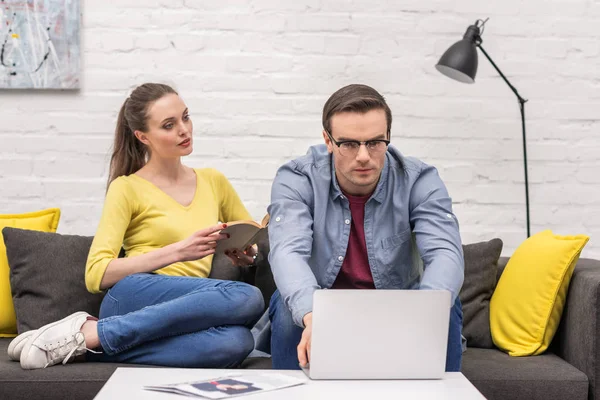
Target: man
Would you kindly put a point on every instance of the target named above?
(344, 216)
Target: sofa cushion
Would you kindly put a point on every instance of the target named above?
(223, 268)
(44, 220)
(502, 261)
(258, 275)
(257, 363)
(263, 277)
(481, 264)
(47, 276)
(72, 381)
(529, 298)
(546, 377)
(78, 380)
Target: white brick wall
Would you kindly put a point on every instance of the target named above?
(256, 73)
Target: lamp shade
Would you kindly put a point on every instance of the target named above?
(459, 62)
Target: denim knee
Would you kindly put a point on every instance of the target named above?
(238, 344)
(251, 302)
(280, 314)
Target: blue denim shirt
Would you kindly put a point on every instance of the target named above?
(412, 236)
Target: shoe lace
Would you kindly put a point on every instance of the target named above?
(69, 347)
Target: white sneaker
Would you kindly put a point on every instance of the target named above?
(59, 341)
(16, 345)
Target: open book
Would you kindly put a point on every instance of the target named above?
(242, 235)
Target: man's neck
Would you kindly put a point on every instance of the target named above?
(357, 196)
(354, 190)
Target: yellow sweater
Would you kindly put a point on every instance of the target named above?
(140, 217)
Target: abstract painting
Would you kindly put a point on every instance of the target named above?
(39, 44)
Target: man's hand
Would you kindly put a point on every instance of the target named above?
(304, 346)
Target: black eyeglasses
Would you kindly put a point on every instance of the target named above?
(350, 148)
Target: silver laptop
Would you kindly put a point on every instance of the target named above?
(379, 334)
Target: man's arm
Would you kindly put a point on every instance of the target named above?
(290, 239)
(437, 233)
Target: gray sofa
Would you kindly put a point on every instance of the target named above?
(570, 369)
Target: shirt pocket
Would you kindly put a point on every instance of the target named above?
(396, 240)
(395, 260)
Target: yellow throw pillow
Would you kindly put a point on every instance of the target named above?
(45, 221)
(528, 302)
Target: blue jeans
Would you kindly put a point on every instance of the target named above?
(285, 336)
(178, 321)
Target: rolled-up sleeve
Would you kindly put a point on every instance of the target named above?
(437, 233)
(108, 240)
(290, 240)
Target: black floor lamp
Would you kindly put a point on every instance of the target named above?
(459, 62)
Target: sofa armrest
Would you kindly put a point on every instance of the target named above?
(576, 340)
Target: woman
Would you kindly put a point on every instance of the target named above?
(160, 307)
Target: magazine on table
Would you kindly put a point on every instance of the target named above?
(230, 385)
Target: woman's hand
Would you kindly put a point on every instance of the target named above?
(200, 244)
(239, 258)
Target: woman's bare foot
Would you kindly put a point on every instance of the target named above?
(90, 333)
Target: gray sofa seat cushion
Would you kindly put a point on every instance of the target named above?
(78, 380)
(257, 363)
(546, 377)
(73, 381)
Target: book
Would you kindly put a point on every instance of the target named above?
(243, 234)
(232, 385)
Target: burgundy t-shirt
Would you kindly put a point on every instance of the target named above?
(355, 272)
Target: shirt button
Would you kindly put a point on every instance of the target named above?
(347, 222)
(340, 258)
(278, 219)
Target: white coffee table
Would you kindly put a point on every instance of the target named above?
(127, 383)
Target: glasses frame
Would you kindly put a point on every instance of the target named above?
(365, 143)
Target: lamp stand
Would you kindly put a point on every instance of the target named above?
(522, 102)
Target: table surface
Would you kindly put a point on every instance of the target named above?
(127, 383)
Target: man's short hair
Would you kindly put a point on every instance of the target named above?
(355, 98)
